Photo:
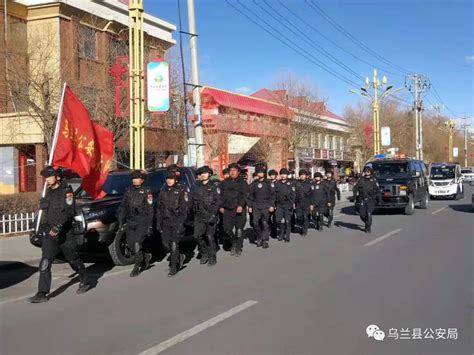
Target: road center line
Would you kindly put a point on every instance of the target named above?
(438, 210)
(379, 239)
(197, 329)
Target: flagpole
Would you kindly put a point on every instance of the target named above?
(53, 148)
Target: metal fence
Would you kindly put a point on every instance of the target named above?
(16, 223)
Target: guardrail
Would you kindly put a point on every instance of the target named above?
(16, 223)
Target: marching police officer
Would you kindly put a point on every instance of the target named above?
(135, 215)
(333, 191)
(234, 194)
(366, 192)
(171, 214)
(303, 202)
(205, 201)
(261, 204)
(320, 200)
(285, 192)
(273, 176)
(57, 233)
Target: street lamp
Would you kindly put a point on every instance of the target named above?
(375, 98)
(450, 127)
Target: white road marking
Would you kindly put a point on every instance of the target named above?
(379, 239)
(438, 210)
(197, 329)
(338, 215)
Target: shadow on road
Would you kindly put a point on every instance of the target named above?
(348, 225)
(250, 234)
(462, 208)
(349, 210)
(15, 273)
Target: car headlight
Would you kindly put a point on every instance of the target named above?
(432, 183)
(451, 182)
(403, 187)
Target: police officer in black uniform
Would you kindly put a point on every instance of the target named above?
(303, 202)
(366, 193)
(273, 176)
(205, 201)
(285, 192)
(135, 215)
(234, 194)
(57, 233)
(171, 214)
(261, 204)
(333, 191)
(320, 200)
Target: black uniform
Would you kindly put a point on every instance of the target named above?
(319, 198)
(135, 213)
(205, 202)
(172, 211)
(366, 192)
(234, 194)
(285, 192)
(261, 198)
(333, 191)
(58, 208)
(303, 203)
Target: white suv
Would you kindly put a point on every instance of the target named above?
(446, 181)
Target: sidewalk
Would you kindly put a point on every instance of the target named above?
(17, 251)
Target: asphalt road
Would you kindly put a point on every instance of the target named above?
(315, 295)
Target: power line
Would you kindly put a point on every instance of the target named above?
(359, 43)
(291, 44)
(327, 38)
(307, 39)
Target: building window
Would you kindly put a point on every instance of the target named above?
(342, 143)
(320, 141)
(336, 143)
(331, 142)
(88, 43)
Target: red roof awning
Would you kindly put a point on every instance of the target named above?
(214, 97)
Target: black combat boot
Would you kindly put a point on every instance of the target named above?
(40, 297)
(147, 261)
(265, 245)
(83, 288)
(136, 271)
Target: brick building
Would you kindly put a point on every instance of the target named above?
(51, 42)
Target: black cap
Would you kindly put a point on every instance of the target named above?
(138, 174)
(272, 172)
(50, 171)
(170, 175)
(203, 169)
(234, 166)
(225, 171)
(303, 172)
(318, 174)
(284, 171)
(260, 169)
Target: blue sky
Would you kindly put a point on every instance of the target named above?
(434, 38)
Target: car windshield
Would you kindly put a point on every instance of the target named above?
(392, 169)
(115, 185)
(442, 172)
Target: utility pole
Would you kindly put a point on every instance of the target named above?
(199, 144)
(376, 99)
(137, 100)
(450, 127)
(465, 126)
(418, 84)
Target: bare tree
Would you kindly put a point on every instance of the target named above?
(306, 106)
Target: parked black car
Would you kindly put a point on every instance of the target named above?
(95, 224)
(403, 183)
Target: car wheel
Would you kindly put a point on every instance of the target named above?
(410, 208)
(119, 251)
(425, 201)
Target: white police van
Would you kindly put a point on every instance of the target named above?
(446, 181)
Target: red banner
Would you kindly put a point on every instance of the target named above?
(78, 146)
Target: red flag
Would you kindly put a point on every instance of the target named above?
(93, 182)
(78, 147)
